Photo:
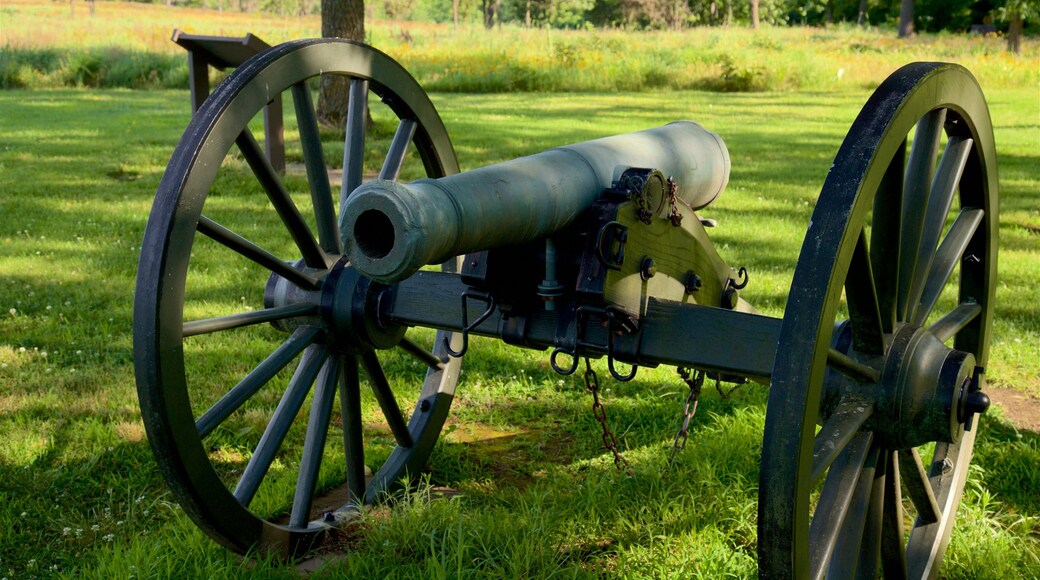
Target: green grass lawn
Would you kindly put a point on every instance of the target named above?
(79, 493)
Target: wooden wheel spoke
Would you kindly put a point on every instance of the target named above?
(398, 149)
(281, 421)
(916, 189)
(387, 401)
(948, 326)
(836, 499)
(354, 144)
(209, 325)
(946, 258)
(280, 199)
(852, 368)
(317, 173)
(893, 548)
(421, 354)
(857, 548)
(918, 487)
(870, 552)
(885, 227)
(248, 249)
(300, 339)
(861, 294)
(947, 176)
(314, 443)
(350, 410)
(837, 432)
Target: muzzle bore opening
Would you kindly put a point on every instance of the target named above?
(374, 234)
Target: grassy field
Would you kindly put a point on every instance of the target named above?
(43, 45)
(81, 496)
(79, 492)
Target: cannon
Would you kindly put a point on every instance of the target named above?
(876, 369)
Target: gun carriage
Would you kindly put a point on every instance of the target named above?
(591, 250)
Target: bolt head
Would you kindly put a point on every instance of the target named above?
(693, 282)
(647, 268)
(729, 298)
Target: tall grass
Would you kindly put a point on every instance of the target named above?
(126, 45)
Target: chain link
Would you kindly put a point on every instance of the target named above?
(695, 383)
(675, 217)
(610, 440)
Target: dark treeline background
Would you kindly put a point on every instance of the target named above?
(928, 15)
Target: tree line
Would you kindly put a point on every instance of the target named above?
(927, 15)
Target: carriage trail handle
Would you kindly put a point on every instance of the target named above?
(390, 230)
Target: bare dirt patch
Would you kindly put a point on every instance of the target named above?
(1022, 409)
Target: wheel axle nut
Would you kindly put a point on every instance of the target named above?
(976, 402)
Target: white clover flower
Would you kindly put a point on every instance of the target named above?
(13, 311)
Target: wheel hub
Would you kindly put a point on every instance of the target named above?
(928, 391)
(349, 310)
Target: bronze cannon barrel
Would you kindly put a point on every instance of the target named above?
(390, 229)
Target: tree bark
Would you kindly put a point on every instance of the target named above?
(339, 19)
(490, 9)
(1014, 39)
(906, 19)
(861, 18)
(754, 14)
(455, 14)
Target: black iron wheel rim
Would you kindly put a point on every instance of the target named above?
(159, 301)
(787, 546)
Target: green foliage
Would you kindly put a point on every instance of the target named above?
(92, 68)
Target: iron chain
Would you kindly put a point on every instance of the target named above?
(695, 383)
(674, 216)
(610, 440)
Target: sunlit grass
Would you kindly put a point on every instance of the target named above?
(127, 44)
(540, 495)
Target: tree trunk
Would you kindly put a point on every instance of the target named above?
(861, 18)
(339, 19)
(754, 14)
(527, 14)
(906, 19)
(1014, 38)
(455, 14)
(490, 9)
(729, 12)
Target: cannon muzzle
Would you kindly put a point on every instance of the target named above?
(390, 229)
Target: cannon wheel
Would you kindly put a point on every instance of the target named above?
(864, 385)
(313, 299)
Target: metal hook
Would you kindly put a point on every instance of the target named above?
(559, 369)
(742, 273)
(467, 327)
(610, 352)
